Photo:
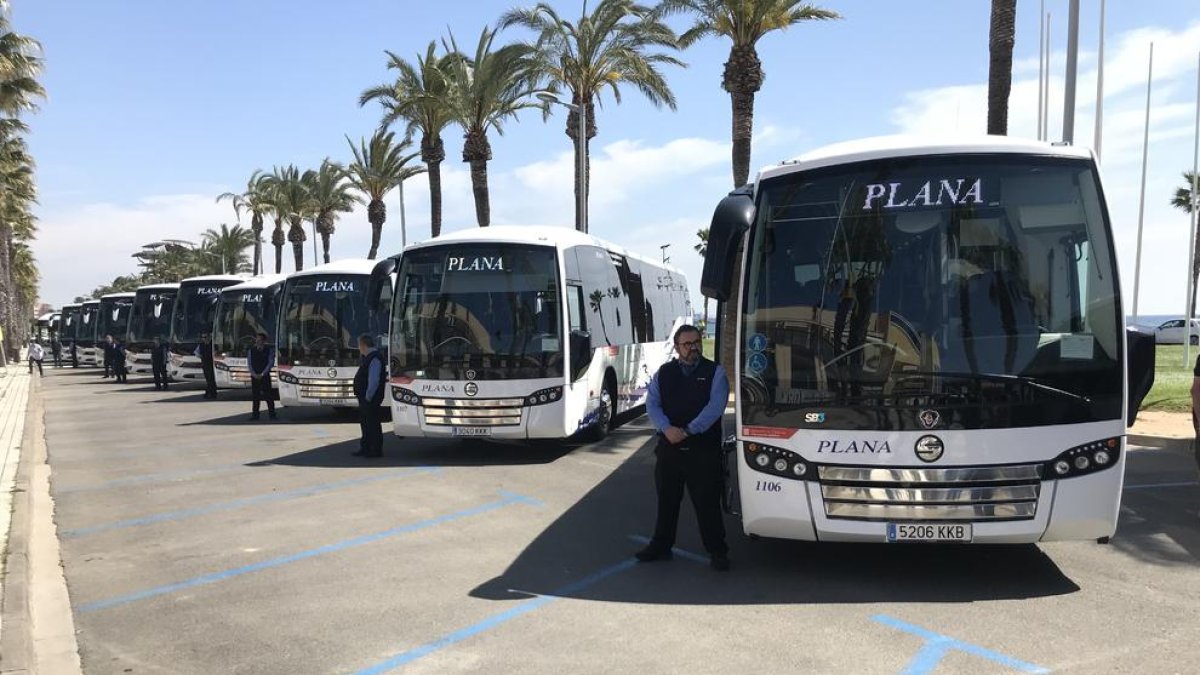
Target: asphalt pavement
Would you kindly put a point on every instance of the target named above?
(195, 541)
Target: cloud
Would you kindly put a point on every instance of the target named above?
(963, 108)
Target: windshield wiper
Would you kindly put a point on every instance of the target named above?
(1001, 377)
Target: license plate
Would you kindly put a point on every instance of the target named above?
(338, 401)
(472, 431)
(929, 532)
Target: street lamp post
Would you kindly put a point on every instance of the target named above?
(581, 182)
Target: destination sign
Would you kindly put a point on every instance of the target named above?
(479, 263)
(942, 192)
(345, 286)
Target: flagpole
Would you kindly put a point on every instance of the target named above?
(1049, 55)
(1072, 72)
(1195, 222)
(1137, 266)
(1100, 86)
(1041, 66)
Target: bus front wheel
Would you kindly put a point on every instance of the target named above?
(607, 412)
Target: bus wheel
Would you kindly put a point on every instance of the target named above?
(607, 412)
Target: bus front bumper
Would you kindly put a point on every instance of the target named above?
(510, 419)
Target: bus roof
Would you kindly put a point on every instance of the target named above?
(71, 305)
(347, 266)
(884, 147)
(90, 302)
(117, 296)
(236, 278)
(258, 283)
(559, 237)
(158, 287)
(47, 316)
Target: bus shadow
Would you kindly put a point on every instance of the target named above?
(1159, 510)
(605, 527)
(294, 415)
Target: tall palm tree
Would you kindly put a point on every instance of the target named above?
(419, 97)
(229, 245)
(1182, 200)
(602, 51)
(1000, 50)
(378, 167)
(486, 89)
(744, 22)
(328, 194)
(291, 203)
(256, 200)
(277, 207)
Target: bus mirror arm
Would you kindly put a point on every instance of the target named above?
(1139, 362)
(732, 217)
(379, 276)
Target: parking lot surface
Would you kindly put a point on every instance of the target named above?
(195, 541)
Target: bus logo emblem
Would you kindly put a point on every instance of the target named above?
(332, 372)
(470, 374)
(930, 418)
(929, 448)
(471, 389)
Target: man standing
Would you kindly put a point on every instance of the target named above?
(261, 359)
(159, 354)
(205, 351)
(107, 347)
(35, 357)
(118, 362)
(368, 389)
(685, 402)
(56, 350)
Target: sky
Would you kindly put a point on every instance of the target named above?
(154, 108)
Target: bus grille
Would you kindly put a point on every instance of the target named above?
(920, 494)
(239, 374)
(327, 388)
(495, 412)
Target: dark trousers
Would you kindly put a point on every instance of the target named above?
(698, 468)
(39, 366)
(108, 369)
(160, 375)
(58, 359)
(119, 371)
(260, 388)
(372, 434)
(210, 381)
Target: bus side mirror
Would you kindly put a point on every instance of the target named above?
(381, 275)
(1139, 363)
(581, 353)
(732, 217)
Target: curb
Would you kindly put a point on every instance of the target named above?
(39, 635)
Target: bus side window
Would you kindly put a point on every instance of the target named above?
(575, 307)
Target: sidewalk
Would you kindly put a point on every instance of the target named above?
(14, 397)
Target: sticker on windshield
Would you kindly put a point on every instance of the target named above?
(758, 342)
(757, 363)
(1082, 347)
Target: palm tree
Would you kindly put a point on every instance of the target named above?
(328, 194)
(1182, 200)
(289, 202)
(702, 249)
(602, 51)
(484, 91)
(744, 22)
(256, 200)
(420, 99)
(229, 245)
(377, 168)
(1000, 49)
(595, 301)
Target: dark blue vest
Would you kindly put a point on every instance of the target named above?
(363, 374)
(259, 358)
(684, 396)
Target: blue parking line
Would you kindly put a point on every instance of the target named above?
(520, 609)
(507, 500)
(150, 478)
(937, 646)
(183, 514)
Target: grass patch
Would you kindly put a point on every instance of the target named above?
(1172, 390)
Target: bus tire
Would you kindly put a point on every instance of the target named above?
(605, 420)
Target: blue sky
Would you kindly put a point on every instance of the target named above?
(156, 107)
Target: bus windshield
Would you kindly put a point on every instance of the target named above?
(151, 315)
(492, 309)
(70, 324)
(113, 318)
(975, 291)
(87, 323)
(321, 317)
(194, 309)
(241, 316)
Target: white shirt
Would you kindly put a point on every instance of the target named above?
(36, 352)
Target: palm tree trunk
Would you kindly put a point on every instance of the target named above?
(298, 254)
(325, 246)
(572, 132)
(377, 216)
(476, 152)
(742, 77)
(6, 286)
(277, 240)
(278, 258)
(433, 152)
(1000, 49)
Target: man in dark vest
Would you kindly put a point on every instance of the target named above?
(368, 389)
(205, 352)
(159, 354)
(118, 361)
(261, 359)
(685, 402)
(107, 347)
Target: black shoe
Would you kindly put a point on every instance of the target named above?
(653, 553)
(272, 415)
(719, 563)
(254, 417)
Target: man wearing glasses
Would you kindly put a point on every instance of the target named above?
(685, 403)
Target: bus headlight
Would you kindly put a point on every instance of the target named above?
(1062, 467)
(781, 465)
(544, 396)
(762, 460)
(405, 396)
(288, 378)
(1084, 459)
(1101, 457)
(799, 469)
(777, 461)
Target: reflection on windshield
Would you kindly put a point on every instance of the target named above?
(87, 326)
(113, 318)
(194, 310)
(70, 322)
(951, 282)
(151, 315)
(322, 318)
(494, 310)
(242, 315)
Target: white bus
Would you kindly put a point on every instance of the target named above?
(191, 318)
(930, 344)
(150, 318)
(526, 332)
(90, 353)
(245, 310)
(68, 334)
(322, 311)
(113, 319)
